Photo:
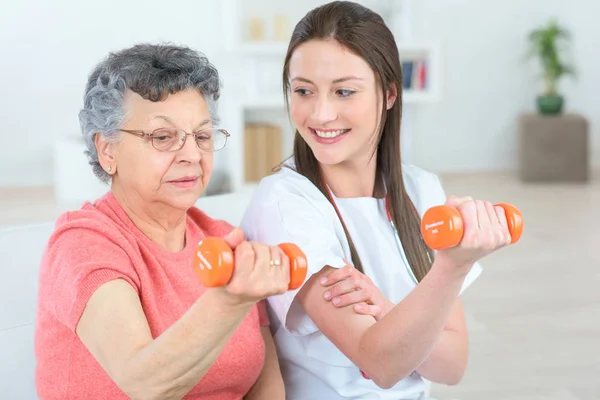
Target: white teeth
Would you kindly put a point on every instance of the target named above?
(330, 134)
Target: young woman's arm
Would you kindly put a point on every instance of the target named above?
(448, 360)
(270, 383)
(400, 342)
(396, 345)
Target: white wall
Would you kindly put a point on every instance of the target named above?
(48, 48)
(486, 84)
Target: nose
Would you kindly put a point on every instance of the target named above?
(324, 110)
(190, 152)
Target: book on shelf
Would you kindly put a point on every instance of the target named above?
(263, 150)
(414, 75)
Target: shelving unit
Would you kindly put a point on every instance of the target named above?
(254, 92)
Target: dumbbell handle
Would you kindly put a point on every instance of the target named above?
(214, 263)
(442, 226)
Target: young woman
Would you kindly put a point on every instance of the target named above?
(379, 311)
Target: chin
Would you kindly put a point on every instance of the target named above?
(327, 158)
(331, 154)
(184, 202)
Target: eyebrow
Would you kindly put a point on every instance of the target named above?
(338, 80)
(206, 121)
(168, 120)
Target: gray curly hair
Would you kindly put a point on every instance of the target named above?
(151, 70)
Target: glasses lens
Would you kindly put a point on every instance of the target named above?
(211, 139)
(219, 139)
(165, 139)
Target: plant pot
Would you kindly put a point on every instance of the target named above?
(550, 104)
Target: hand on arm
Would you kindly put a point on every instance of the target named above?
(445, 364)
(392, 348)
(349, 287)
(115, 330)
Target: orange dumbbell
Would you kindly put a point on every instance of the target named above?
(213, 263)
(442, 226)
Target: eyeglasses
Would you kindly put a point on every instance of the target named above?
(172, 139)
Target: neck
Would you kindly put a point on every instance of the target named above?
(160, 223)
(352, 178)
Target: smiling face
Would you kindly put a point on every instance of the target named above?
(175, 178)
(335, 102)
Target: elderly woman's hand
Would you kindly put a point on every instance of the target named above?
(260, 271)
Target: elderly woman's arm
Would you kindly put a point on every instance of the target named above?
(269, 385)
(115, 330)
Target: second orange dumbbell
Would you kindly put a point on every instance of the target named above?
(214, 263)
(442, 226)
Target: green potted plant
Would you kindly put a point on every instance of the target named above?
(548, 43)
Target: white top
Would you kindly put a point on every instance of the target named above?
(287, 207)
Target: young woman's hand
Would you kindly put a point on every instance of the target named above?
(347, 286)
(485, 231)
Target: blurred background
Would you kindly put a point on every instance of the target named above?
(498, 100)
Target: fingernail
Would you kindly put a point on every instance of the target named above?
(323, 281)
(336, 301)
(359, 307)
(327, 295)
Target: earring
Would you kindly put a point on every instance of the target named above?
(109, 168)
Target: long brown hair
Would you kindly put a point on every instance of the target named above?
(364, 33)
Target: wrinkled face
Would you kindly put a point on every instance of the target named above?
(175, 178)
(335, 102)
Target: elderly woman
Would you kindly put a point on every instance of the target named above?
(120, 313)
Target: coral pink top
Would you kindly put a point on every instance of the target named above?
(99, 243)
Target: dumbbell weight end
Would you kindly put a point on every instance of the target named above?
(214, 263)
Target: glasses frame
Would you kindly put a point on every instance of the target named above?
(143, 134)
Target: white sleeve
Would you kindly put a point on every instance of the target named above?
(437, 196)
(278, 214)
